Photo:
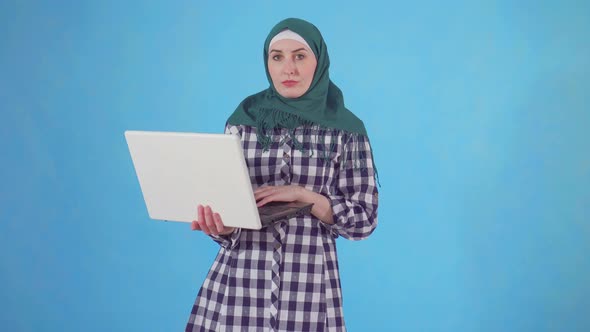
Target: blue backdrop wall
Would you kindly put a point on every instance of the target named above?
(479, 113)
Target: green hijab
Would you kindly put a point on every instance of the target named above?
(322, 104)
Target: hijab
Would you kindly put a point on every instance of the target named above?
(322, 104)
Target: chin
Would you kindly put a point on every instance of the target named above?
(290, 94)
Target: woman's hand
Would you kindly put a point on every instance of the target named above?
(289, 193)
(210, 223)
(321, 209)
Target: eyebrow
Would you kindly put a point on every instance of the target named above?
(297, 50)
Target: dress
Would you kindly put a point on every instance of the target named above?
(285, 277)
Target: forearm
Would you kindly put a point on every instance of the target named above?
(322, 209)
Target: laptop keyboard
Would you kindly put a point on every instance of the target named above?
(271, 208)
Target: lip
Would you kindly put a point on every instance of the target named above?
(289, 83)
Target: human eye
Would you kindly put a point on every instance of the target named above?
(276, 56)
(300, 56)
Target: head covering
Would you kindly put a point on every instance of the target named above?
(322, 104)
(288, 34)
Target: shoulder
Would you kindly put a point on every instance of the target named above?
(238, 129)
(241, 114)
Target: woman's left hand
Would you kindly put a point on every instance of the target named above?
(289, 193)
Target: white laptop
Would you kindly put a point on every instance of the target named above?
(178, 171)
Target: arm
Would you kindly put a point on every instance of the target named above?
(211, 224)
(322, 207)
(354, 198)
(289, 193)
(349, 209)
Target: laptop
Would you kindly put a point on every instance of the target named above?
(178, 171)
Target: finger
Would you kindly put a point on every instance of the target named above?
(264, 201)
(209, 220)
(204, 227)
(259, 193)
(218, 222)
(263, 189)
(201, 222)
(264, 194)
(200, 213)
(195, 226)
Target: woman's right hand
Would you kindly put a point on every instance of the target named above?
(209, 222)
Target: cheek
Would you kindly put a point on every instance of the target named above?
(310, 70)
(272, 70)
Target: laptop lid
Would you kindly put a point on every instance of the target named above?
(178, 171)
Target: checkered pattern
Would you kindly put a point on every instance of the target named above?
(285, 276)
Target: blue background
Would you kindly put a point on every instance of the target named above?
(479, 114)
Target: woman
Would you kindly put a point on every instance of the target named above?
(300, 144)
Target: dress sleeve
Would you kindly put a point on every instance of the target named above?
(228, 241)
(354, 198)
(231, 240)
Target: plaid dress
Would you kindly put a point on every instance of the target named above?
(285, 277)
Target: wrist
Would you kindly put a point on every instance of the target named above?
(322, 208)
(305, 196)
(227, 231)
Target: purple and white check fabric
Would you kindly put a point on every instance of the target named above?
(285, 277)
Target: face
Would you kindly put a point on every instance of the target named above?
(291, 66)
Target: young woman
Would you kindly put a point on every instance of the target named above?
(300, 144)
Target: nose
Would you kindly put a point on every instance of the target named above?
(290, 68)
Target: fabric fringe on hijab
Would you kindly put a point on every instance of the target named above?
(268, 119)
(321, 106)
